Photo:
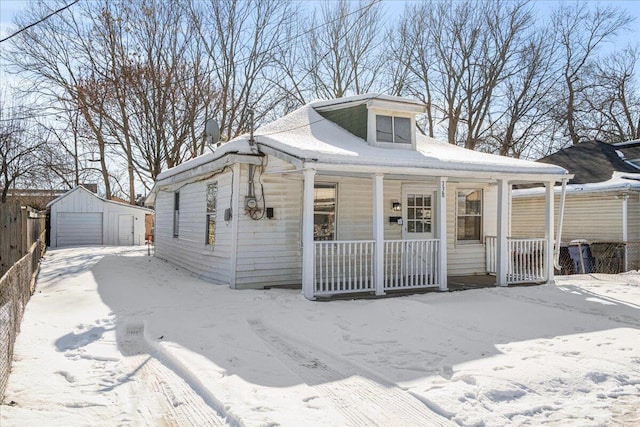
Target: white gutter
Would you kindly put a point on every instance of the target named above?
(426, 170)
(563, 192)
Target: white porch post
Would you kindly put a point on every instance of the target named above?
(441, 231)
(502, 256)
(548, 230)
(378, 231)
(308, 256)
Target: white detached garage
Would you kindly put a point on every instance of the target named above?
(81, 217)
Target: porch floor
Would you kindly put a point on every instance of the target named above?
(454, 284)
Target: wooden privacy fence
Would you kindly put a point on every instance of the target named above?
(20, 228)
(22, 244)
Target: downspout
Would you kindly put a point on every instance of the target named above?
(563, 192)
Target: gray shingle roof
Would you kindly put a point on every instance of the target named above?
(595, 161)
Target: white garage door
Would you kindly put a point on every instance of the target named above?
(73, 228)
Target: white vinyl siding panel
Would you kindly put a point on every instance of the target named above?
(466, 257)
(269, 251)
(589, 216)
(634, 217)
(79, 228)
(189, 249)
(633, 213)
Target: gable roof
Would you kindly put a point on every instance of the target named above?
(595, 161)
(80, 188)
(306, 135)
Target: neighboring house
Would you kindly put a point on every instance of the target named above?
(344, 196)
(602, 200)
(34, 198)
(81, 217)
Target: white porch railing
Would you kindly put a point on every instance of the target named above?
(343, 267)
(526, 258)
(410, 264)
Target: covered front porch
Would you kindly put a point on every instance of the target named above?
(392, 262)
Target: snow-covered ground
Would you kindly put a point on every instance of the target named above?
(113, 337)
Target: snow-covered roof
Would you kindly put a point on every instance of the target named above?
(81, 188)
(310, 137)
(337, 102)
(618, 181)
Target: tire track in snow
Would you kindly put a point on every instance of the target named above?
(167, 399)
(361, 399)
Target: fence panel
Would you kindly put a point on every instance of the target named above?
(344, 267)
(411, 263)
(16, 287)
(526, 259)
(21, 228)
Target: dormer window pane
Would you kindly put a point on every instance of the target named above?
(384, 129)
(393, 129)
(402, 130)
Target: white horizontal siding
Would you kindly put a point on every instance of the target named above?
(633, 212)
(467, 258)
(269, 252)
(189, 249)
(589, 216)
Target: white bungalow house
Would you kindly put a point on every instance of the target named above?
(344, 196)
(602, 199)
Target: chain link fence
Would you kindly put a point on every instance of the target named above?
(16, 287)
(599, 257)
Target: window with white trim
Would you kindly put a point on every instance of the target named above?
(212, 195)
(469, 215)
(176, 213)
(393, 129)
(324, 211)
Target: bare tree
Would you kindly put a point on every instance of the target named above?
(240, 40)
(580, 31)
(525, 112)
(614, 98)
(19, 149)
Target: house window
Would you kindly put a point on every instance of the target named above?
(469, 215)
(324, 211)
(212, 194)
(176, 213)
(393, 129)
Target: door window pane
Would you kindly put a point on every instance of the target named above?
(418, 213)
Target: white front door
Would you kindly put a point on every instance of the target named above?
(418, 208)
(125, 230)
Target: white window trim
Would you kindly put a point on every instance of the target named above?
(214, 213)
(176, 224)
(336, 215)
(371, 128)
(482, 213)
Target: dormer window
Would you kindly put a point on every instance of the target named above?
(392, 129)
(381, 120)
